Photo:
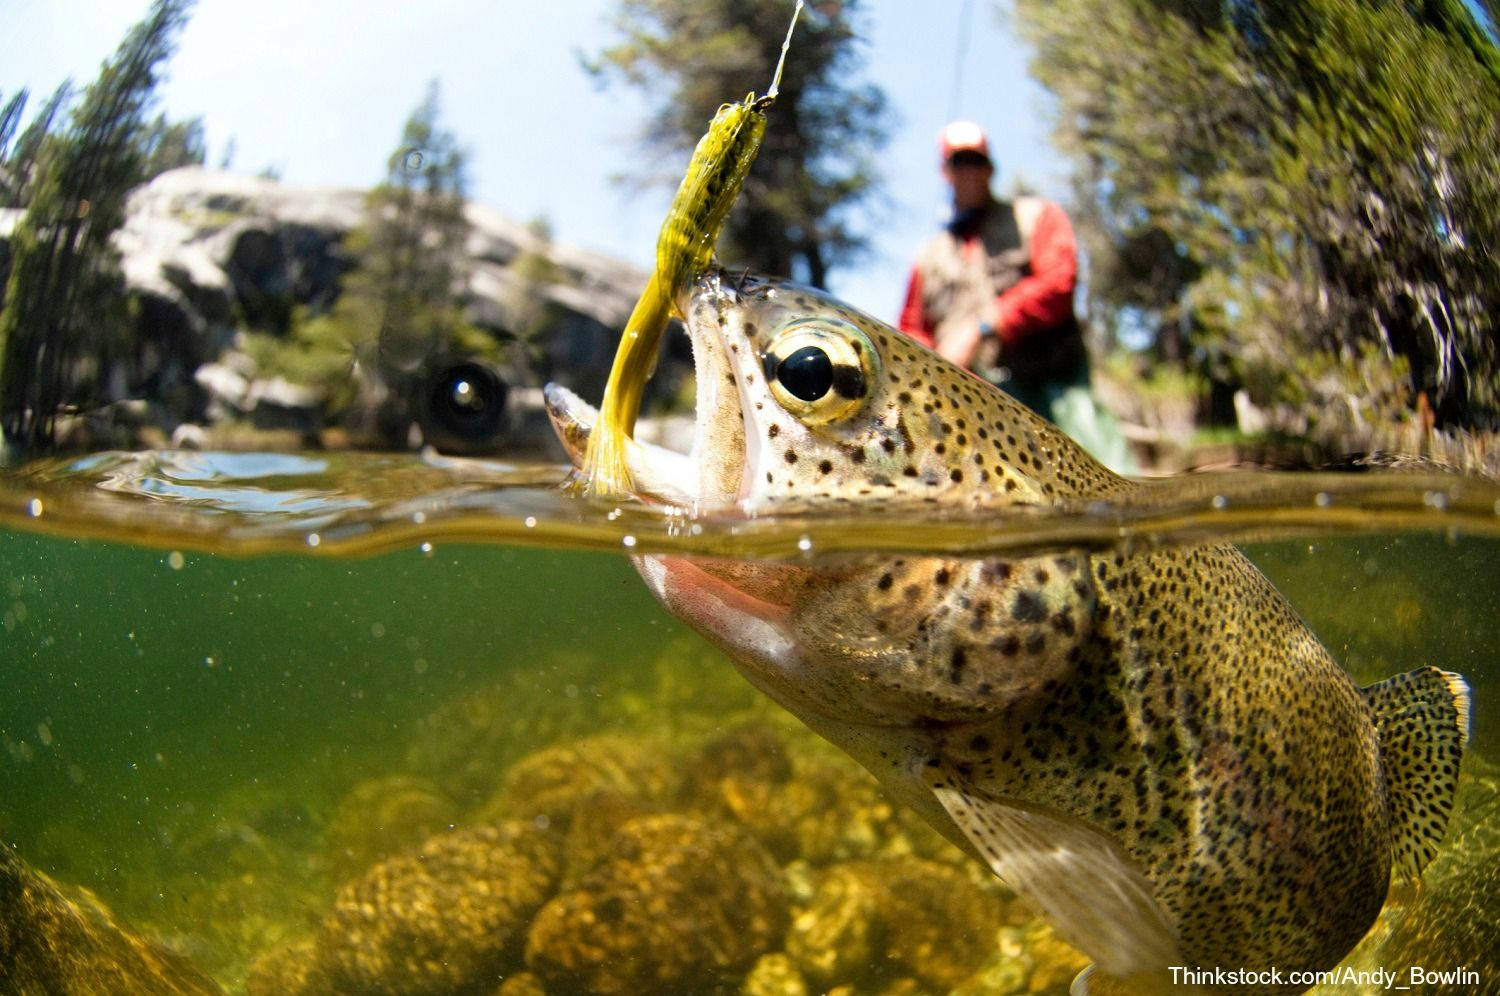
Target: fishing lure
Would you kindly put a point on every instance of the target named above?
(684, 248)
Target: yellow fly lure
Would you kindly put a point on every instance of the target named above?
(684, 248)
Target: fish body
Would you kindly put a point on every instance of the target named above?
(1151, 747)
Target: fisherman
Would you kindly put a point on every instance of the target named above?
(993, 292)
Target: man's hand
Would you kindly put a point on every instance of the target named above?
(961, 345)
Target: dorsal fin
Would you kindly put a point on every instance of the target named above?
(1422, 718)
(1082, 881)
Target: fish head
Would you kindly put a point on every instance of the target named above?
(805, 403)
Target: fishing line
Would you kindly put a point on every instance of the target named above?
(786, 43)
(960, 56)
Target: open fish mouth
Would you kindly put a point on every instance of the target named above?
(714, 471)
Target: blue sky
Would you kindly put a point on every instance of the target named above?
(319, 90)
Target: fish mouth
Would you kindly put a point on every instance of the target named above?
(714, 471)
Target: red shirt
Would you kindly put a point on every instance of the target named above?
(1041, 300)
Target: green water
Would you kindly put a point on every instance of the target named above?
(216, 724)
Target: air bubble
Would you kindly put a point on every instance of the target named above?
(804, 543)
(1323, 499)
(1220, 502)
(530, 522)
(629, 541)
(34, 508)
(313, 539)
(176, 560)
(426, 549)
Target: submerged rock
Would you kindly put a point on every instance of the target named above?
(288, 970)
(521, 984)
(449, 916)
(382, 816)
(774, 975)
(558, 781)
(833, 938)
(679, 901)
(893, 919)
(939, 925)
(53, 943)
(750, 750)
(827, 811)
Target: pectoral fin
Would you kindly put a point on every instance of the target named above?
(1086, 886)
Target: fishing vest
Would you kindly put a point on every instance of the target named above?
(959, 282)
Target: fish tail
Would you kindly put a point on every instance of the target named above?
(1422, 718)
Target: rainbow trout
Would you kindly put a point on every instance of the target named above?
(1150, 747)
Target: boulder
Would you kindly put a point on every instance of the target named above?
(54, 942)
(210, 253)
(675, 904)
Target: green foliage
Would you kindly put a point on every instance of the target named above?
(18, 159)
(170, 144)
(319, 354)
(66, 319)
(399, 313)
(531, 317)
(411, 250)
(817, 161)
(1280, 192)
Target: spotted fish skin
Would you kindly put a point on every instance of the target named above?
(1152, 747)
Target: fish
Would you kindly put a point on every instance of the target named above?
(1149, 746)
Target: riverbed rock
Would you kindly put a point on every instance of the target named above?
(447, 917)
(891, 919)
(834, 937)
(774, 975)
(52, 941)
(381, 816)
(553, 784)
(678, 902)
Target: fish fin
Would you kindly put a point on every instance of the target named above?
(1082, 881)
(1422, 718)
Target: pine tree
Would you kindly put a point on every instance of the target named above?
(817, 161)
(18, 159)
(65, 315)
(399, 314)
(170, 144)
(1306, 192)
(412, 246)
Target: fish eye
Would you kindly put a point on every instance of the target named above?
(807, 374)
(820, 369)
